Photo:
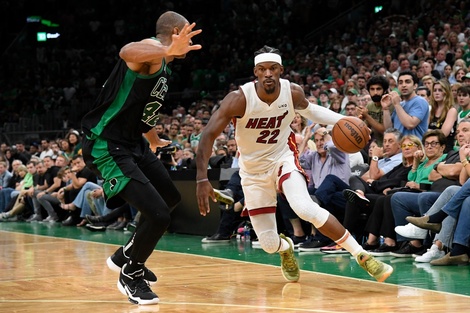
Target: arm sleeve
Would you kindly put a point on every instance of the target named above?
(319, 114)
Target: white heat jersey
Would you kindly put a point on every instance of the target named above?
(263, 134)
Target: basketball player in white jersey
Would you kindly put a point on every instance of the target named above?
(263, 110)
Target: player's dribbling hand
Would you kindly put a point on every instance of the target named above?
(204, 191)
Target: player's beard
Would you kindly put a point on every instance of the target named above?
(269, 90)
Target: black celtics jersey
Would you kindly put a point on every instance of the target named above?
(127, 105)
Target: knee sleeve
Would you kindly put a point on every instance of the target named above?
(266, 230)
(270, 241)
(295, 190)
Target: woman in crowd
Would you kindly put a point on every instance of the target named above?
(67, 148)
(443, 113)
(299, 124)
(459, 74)
(74, 139)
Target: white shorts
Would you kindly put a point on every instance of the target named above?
(260, 189)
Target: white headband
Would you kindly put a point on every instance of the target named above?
(268, 57)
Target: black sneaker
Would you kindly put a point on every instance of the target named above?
(93, 219)
(355, 197)
(119, 259)
(313, 245)
(383, 250)
(216, 238)
(136, 288)
(96, 226)
(368, 247)
(407, 250)
(298, 240)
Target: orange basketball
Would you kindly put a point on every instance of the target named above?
(350, 134)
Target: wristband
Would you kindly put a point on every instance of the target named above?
(201, 180)
(464, 162)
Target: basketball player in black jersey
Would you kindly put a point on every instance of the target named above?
(115, 148)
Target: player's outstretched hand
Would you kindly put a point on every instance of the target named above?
(204, 191)
(182, 42)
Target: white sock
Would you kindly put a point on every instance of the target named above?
(284, 245)
(350, 244)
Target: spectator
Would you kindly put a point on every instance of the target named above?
(463, 100)
(195, 136)
(372, 114)
(21, 153)
(66, 148)
(74, 139)
(15, 179)
(443, 114)
(46, 149)
(410, 116)
(365, 198)
(424, 92)
(174, 134)
(41, 197)
(24, 188)
(299, 124)
(441, 63)
(161, 131)
(351, 109)
(78, 175)
(382, 217)
(5, 176)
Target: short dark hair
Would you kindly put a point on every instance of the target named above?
(464, 90)
(428, 92)
(412, 74)
(267, 49)
(435, 132)
(378, 80)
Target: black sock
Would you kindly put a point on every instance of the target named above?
(437, 217)
(458, 249)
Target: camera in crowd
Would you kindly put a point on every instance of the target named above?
(165, 153)
(167, 150)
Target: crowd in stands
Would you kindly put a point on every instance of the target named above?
(404, 72)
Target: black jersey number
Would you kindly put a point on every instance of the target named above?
(269, 137)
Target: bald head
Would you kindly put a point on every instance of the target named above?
(168, 21)
(426, 68)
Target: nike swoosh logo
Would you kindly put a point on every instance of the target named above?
(129, 290)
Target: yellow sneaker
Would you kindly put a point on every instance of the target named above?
(377, 269)
(289, 266)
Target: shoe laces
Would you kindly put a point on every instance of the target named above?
(370, 264)
(288, 260)
(141, 284)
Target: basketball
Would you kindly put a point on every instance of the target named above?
(350, 134)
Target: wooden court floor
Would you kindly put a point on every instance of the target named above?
(50, 274)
